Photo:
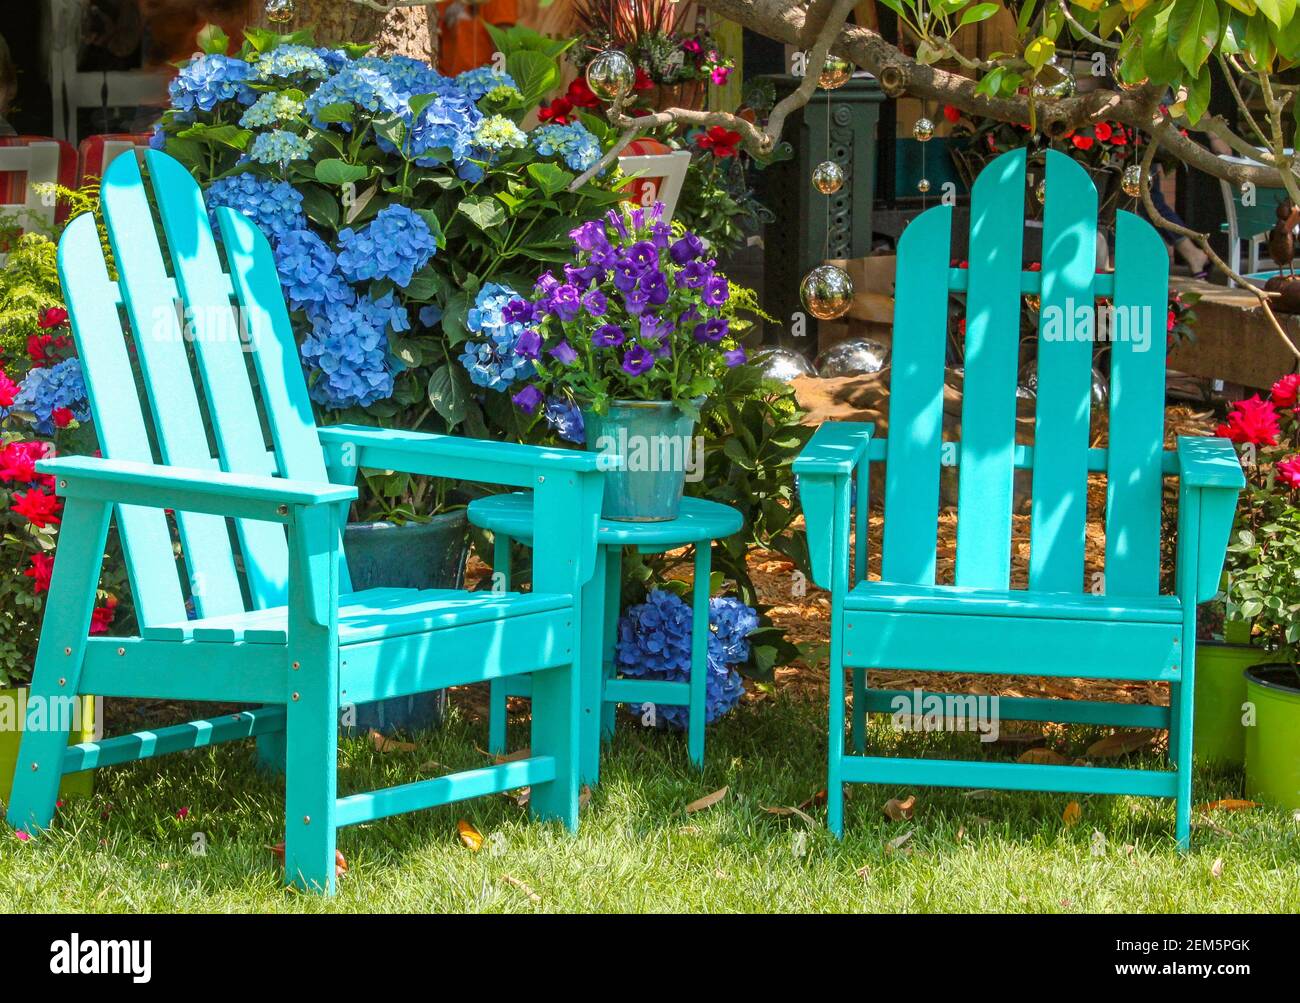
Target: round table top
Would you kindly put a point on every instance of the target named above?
(698, 520)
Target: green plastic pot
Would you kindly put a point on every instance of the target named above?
(13, 703)
(413, 555)
(1220, 691)
(1273, 744)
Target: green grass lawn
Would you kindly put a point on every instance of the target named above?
(127, 850)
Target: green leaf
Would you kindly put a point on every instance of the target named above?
(338, 172)
(551, 178)
(1110, 19)
(320, 205)
(980, 12)
(213, 40)
(435, 226)
(1198, 96)
(1039, 51)
(339, 111)
(1195, 24)
(534, 74)
(453, 319)
(483, 211)
(449, 393)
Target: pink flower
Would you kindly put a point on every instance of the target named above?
(183, 813)
(18, 461)
(1288, 472)
(22, 835)
(693, 46)
(8, 390)
(1251, 420)
(719, 74)
(1286, 390)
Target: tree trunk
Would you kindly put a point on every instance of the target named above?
(410, 31)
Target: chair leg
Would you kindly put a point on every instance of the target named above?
(613, 603)
(497, 717)
(699, 654)
(271, 750)
(555, 733)
(591, 664)
(1180, 704)
(859, 710)
(311, 788)
(835, 747)
(59, 659)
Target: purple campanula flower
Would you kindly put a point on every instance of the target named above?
(582, 275)
(694, 274)
(547, 282)
(529, 344)
(565, 301)
(643, 253)
(655, 286)
(664, 350)
(563, 353)
(637, 360)
(625, 276)
(716, 291)
(595, 303)
(712, 330)
(661, 234)
(608, 336)
(616, 221)
(688, 248)
(518, 310)
(635, 300)
(589, 236)
(736, 357)
(653, 327)
(528, 399)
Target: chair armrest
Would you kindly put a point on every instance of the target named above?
(1210, 480)
(824, 469)
(151, 485)
(567, 484)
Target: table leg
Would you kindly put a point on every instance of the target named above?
(613, 602)
(592, 670)
(699, 652)
(497, 687)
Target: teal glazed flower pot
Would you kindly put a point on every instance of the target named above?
(654, 442)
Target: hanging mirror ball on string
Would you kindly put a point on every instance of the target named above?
(826, 292)
(280, 11)
(1054, 82)
(1125, 84)
(828, 177)
(923, 185)
(923, 131)
(1131, 182)
(611, 75)
(836, 72)
(1040, 192)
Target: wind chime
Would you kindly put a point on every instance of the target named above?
(827, 291)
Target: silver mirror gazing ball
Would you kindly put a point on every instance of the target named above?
(611, 75)
(835, 72)
(1131, 182)
(854, 357)
(923, 130)
(1053, 83)
(827, 292)
(828, 177)
(783, 364)
(923, 185)
(280, 11)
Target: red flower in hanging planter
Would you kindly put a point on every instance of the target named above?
(580, 94)
(37, 507)
(55, 316)
(721, 142)
(558, 112)
(1251, 421)
(102, 617)
(951, 114)
(1102, 131)
(40, 572)
(1118, 137)
(1286, 391)
(1081, 142)
(644, 81)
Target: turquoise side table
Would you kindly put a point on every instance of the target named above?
(510, 517)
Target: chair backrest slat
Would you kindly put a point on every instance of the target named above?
(92, 299)
(984, 486)
(169, 380)
(1134, 480)
(1059, 514)
(916, 401)
(219, 349)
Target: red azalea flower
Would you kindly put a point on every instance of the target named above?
(722, 142)
(951, 114)
(1288, 472)
(8, 390)
(18, 461)
(103, 616)
(1102, 131)
(1171, 321)
(37, 507)
(62, 417)
(1251, 420)
(1286, 390)
(55, 316)
(693, 46)
(1081, 142)
(557, 112)
(579, 95)
(40, 572)
(41, 348)
(1119, 138)
(644, 81)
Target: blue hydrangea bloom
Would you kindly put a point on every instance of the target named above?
(408, 77)
(270, 109)
(286, 61)
(492, 361)
(483, 80)
(578, 147)
(309, 271)
(279, 146)
(447, 124)
(395, 245)
(334, 59)
(364, 87)
(207, 80)
(275, 206)
(45, 390)
(346, 353)
(654, 642)
(566, 418)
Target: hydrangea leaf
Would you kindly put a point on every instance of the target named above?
(338, 172)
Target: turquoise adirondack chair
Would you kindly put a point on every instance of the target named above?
(1117, 627)
(260, 496)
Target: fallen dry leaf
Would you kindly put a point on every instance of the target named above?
(900, 811)
(469, 836)
(1120, 744)
(516, 883)
(584, 796)
(708, 801)
(433, 766)
(383, 743)
(896, 844)
(1072, 814)
(1216, 868)
(1043, 757)
(864, 871)
(340, 864)
(785, 811)
(1228, 804)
